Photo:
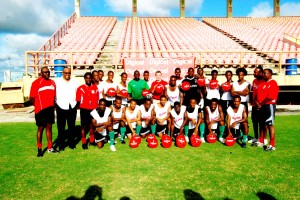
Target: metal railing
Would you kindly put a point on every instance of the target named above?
(38, 59)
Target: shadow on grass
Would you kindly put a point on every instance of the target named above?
(265, 196)
(92, 193)
(192, 195)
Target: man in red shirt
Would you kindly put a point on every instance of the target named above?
(88, 96)
(255, 114)
(267, 95)
(158, 87)
(42, 96)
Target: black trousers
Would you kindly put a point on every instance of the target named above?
(63, 117)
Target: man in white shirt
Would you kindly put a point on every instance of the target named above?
(66, 108)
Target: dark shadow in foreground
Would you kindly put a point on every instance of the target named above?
(265, 196)
(92, 193)
(191, 195)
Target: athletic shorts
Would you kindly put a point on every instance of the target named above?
(268, 114)
(145, 130)
(191, 131)
(161, 128)
(45, 116)
(235, 132)
(85, 117)
(100, 137)
(117, 131)
(255, 114)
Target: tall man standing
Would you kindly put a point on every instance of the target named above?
(66, 107)
(42, 95)
(267, 95)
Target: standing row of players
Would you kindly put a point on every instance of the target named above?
(170, 108)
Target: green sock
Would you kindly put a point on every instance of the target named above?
(202, 130)
(186, 130)
(241, 133)
(169, 133)
(153, 128)
(138, 129)
(221, 129)
(245, 138)
(122, 131)
(111, 138)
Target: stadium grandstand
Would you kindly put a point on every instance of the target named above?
(88, 43)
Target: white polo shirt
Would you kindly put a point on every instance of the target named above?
(66, 93)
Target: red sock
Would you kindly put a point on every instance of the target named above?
(92, 135)
(261, 138)
(49, 145)
(272, 141)
(39, 145)
(83, 139)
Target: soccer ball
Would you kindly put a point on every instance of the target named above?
(201, 82)
(145, 92)
(213, 84)
(226, 86)
(185, 86)
(133, 143)
(166, 141)
(180, 141)
(124, 93)
(137, 138)
(195, 141)
(111, 92)
(229, 141)
(151, 137)
(153, 143)
(211, 138)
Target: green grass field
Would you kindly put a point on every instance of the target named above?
(212, 171)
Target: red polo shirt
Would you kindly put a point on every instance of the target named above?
(255, 85)
(156, 95)
(43, 91)
(88, 96)
(267, 92)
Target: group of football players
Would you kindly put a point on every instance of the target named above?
(189, 105)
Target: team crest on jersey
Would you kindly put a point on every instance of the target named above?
(93, 91)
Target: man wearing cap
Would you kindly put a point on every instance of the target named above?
(158, 87)
(66, 108)
(136, 87)
(42, 96)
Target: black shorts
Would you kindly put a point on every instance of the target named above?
(235, 132)
(255, 114)
(85, 117)
(145, 131)
(161, 128)
(268, 114)
(99, 137)
(45, 116)
(191, 131)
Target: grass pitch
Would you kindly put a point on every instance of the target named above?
(212, 171)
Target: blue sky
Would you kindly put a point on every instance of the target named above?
(27, 24)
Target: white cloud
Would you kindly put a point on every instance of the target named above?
(263, 9)
(33, 16)
(290, 9)
(153, 7)
(13, 47)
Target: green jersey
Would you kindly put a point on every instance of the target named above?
(135, 88)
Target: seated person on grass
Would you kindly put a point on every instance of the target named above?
(102, 122)
(133, 119)
(237, 116)
(214, 118)
(162, 111)
(118, 118)
(147, 113)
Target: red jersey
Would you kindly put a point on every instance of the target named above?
(255, 85)
(267, 92)
(88, 96)
(43, 91)
(156, 95)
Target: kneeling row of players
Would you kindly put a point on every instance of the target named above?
(169, 122)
